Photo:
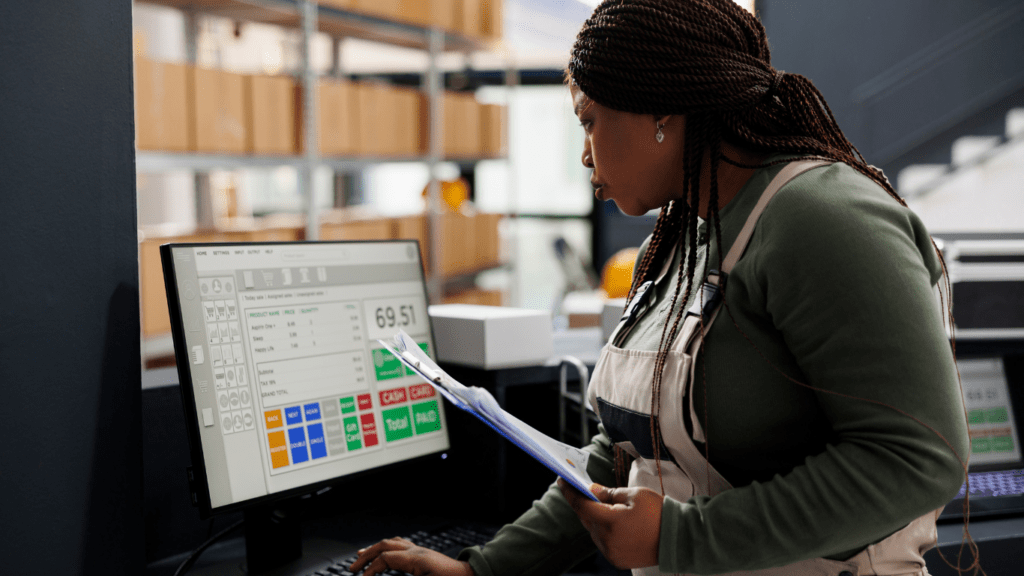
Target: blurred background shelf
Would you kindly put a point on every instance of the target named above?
(150, 161)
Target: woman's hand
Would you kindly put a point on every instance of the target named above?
(625, 524)
(401, 554)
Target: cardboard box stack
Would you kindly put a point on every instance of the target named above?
(217, 120)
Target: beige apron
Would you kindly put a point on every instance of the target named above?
(625, 409)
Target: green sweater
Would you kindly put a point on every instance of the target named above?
(836, 290)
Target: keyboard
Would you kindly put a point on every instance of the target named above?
(1000, 483)
(449, 540)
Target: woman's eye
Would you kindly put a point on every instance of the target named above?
(586, 124)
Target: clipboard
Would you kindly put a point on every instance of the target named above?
(568, 462)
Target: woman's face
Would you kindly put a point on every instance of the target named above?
(630, 166)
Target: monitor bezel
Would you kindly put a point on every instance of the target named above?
(200, 487)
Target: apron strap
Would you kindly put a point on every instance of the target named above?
(792, 170)
(709, 302)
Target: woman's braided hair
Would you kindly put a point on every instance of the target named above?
(708, 60)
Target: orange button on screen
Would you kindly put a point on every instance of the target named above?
(273, 419)
(278, 449)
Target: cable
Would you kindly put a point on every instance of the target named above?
(187, 564)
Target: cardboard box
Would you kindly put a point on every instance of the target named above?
(387, 9)
(491, 337)
(413, 228)
(161, 110)
(444, 14)
(492, 19)
(492, 130)
(475, 296)
(487, 240)
(372, 129)
(336, 118)
(461, 125)
(270, 110)
(217, 120)
(457, 244)
(406, 112)
(414, 12)
(470, 14)
(155, 319)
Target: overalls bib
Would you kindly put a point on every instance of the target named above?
(620, 392)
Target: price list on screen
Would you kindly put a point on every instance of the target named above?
(307, 351)
(286, 332)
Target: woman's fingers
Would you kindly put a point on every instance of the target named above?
(401, 554)
(371, 553)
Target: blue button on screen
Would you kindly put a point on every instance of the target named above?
(317, 446)
(297, 444)
(293, 415)
(312, 411)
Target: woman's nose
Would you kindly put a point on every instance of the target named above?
(588, 157)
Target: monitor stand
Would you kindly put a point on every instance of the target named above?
(274, 546)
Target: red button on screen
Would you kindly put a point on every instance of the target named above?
(369, 426)
(365, 402)
(421, 391)
(393, 396)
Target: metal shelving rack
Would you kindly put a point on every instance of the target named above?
(307, 16)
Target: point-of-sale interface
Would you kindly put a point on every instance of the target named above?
(291, 386)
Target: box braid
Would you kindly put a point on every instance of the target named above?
(709, 60)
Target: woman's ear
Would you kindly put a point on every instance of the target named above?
(663, 120)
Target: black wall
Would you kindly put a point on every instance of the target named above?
(70, 462)
(904, 78)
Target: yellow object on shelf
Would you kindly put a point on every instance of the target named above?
(453, 193)
(617, 274)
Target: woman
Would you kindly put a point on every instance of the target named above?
(814, 374)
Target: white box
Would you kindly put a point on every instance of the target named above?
(610, 316)
(491, 337)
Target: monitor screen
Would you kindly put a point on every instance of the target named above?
(285, 385)
(996, 469)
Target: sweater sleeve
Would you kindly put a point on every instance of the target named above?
(548, 538)
(847, 277)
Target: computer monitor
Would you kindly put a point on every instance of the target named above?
(286, 389)
(993, 399)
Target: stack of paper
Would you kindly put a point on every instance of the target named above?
(567, 461)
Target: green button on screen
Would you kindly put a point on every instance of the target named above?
(980, 445)
(426, 417)
(386, 366)
(997, 415)
(352, 437)
(396, 423)
(1002, 444)
(976, 417)
(348, 405)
